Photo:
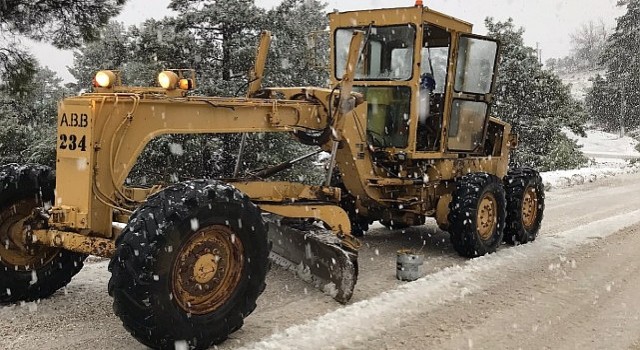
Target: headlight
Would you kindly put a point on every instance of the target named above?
(105, 78)
(168, 80)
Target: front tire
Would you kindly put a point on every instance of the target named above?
(525, 205)
(477, 214)
(190, 265)
(29, 273)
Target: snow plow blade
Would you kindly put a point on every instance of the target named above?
(315, 255)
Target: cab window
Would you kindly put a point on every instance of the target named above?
(387, 54)
(436, 45)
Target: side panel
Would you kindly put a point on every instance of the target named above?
(74, 172)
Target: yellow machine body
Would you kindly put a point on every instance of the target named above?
(394, 174)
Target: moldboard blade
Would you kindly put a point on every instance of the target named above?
(315, 255)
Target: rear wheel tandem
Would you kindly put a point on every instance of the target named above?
(29, 272)
(525, 205)
(477, 214)
(190, 265)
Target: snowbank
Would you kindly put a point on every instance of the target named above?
(610, 155)
(568, 178)
(600, 144)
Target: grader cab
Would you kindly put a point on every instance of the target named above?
(406, 123)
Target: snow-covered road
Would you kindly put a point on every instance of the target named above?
(576, 285)
(373, 319)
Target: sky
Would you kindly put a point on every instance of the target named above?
(546, 22)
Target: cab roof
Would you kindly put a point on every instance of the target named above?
(399, 15)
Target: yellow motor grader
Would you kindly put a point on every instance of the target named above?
(406, 123)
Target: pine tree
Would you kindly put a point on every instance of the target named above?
(28, 123)
(623, 71)
(291, 23)
(603, 103)
(196, 39)
(64, 24)
(536, 103)
(226, 31)
(112, 51)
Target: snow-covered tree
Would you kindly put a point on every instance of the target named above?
(588, 41)
(111, 51)
(536, 103)
(620, 57)
(28, 122)
(217, 39)
(227, 31)
(64, 24)
(291, 23)
(603, 103)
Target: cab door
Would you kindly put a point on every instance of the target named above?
(473, 92)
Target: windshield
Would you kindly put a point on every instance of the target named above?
(387, 54)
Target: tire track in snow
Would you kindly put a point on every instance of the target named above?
(365, 319)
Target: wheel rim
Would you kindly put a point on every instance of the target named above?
(486, 216)
(13, 253)
(529, 207)
(207, 269)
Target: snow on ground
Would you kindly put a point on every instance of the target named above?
(600, 144)
(579, 81)
(365, 319)
(568, 178)
(609, 155)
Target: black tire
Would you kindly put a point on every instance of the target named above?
(27, 275)
(525, 192)
(359, 223)
(470, 236)
(144, 267)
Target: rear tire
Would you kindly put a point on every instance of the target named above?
(29, 273)
(477, 214)
(525, 205)
(190, 265)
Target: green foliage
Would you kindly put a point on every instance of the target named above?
(64, 24)
(291, 22)
(603, 104)
(16, 67)
(536, 103)
(28, 122)
(226, 31)
(614, 100)
(218, 40)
